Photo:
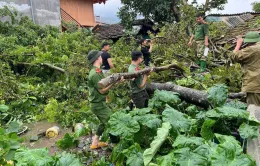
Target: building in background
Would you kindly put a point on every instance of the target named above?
(55, 12)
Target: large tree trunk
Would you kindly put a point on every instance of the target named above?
(193, 96)
(117, 76)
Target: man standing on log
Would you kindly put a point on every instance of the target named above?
(249, 58)
(146, 51)
(97, 96)
(202, 40)
(107, 62)
(139, 96)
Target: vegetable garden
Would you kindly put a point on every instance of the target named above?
(44, 77)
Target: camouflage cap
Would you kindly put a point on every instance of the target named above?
(93, 56)
(252, 37)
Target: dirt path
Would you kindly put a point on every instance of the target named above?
(43, 142)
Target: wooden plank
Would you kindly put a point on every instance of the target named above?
(253, 146)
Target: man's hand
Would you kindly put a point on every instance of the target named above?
(239, 44)
(240, 41)
(190, 44)
(206, 43)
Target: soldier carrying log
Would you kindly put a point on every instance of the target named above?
(249, 58)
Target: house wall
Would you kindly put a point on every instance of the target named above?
(80, 10)
(43, 12)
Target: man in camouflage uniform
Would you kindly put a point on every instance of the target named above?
(202, 40)
(138, 86)
(97, 96)
(249, 58)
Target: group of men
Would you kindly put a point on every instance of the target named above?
(249, 58)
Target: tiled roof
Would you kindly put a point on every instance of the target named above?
(241, 29)
(232, 20)
(99, 1)
(105, 32)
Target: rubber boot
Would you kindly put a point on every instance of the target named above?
(203, 65)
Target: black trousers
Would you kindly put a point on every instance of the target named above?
(140, 99)
(147, 60)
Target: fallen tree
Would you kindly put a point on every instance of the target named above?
(117, 76)
(193, 96)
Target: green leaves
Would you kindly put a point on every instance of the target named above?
(33, 157)
(3, 108)
(185, 157)
(9, 143)
(178, 120)
(162, 134)
(68, 141)
(161, 98)
(191, 142)
(67, 159)
(246, 131)
(229, 152)
(134, 155)
(227, 113)
(123, 125)
(206, 131)
(217, 95)
(40, 157)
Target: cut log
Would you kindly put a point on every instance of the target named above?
(193, 96)
(117, 76)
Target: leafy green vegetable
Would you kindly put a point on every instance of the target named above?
(9, 143)
(246, 131)
(178, 120)
(227, 113)
(150, 120)
(166, 160)
(236, 104)
(134, 155)
(33, 157)
(217, 95)
(206, 131)
(191, 142)
(142, 111)
(185, 157)
(229, 152)
(162, 134)
(68, 141)
(67, 159)
(3, 108)
(161, 98)
(13, 127)
(123, 125)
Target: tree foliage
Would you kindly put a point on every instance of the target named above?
(256, 6)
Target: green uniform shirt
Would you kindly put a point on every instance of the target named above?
(95, 75)
(201, 31)
(134, 85)
(249, 58)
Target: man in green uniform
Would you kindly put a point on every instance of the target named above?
(249, 58)
(202, 40)
(97, 95)
(138, 86)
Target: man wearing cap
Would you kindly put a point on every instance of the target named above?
(97, 96)
(138, 85)
(202, 40)
(249, 58)
(107, 62)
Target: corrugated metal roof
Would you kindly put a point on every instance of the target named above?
(232, 20)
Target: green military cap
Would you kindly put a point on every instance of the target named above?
(252, 37)
(93, 56)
